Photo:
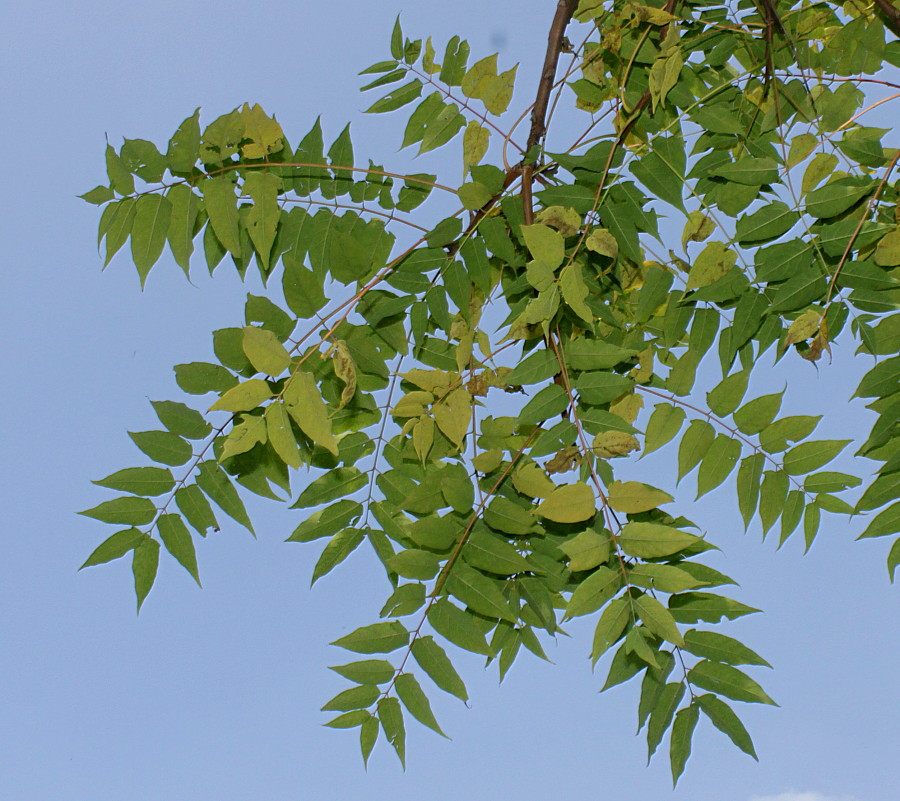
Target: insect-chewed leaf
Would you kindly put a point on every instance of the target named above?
(344, 369)
(692, 607)
(433, 660)
(214, 481)
(139, 481)
(391, 717)
(243, 397)
(195, 508)
(569, 504)
(728, 681)
(378, 638)
(416, 701)
(306, 407)
(265, 352)
(652, 540)
(632, 497)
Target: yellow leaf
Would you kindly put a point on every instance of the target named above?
(244, 436)
(887, 252)
(633, 497)
(803, 327)
(565, 220)
(345, 369)
(475, 144)
(265, 352)
(532, 481)
(436, 381)
(569, 504)
(603, 242)
(714, 261)
(423, 437)
(306, 407)
(412, 404)
(697, 228)
(281, 435)
(628, 407)
(263, 132)
(453, 415)
(586, 551)
(609, 444)
(243, 397)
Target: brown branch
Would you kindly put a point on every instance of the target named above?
(564, 11)
(891, 15)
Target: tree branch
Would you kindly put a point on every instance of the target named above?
(891, 15)
(564, 11)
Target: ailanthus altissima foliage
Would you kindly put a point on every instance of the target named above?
(462, 393)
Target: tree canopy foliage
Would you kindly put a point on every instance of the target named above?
(462, 376)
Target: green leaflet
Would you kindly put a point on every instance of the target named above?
(718, 462)
(680, 746)
(391, 718)
(148, 232)
(379, 638)
(720, 648)
(811, 456)
(114, 547)
(213, 480)
(458, 627)
(128, 511)
(220, 202)
(416, 701)
(181, 420)
(144, 564)
(723, 718)
(652, 540)
(433, 660)
(178, 542)
(593, 592)
(306, 407)
(139, 481)
(728, 681)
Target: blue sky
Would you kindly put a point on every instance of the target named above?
(214, 694)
